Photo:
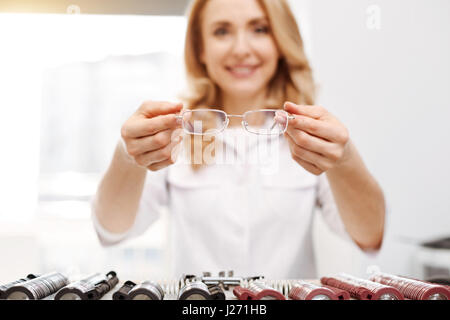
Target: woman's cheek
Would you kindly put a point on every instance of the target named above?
(269, 55)
(216, 58)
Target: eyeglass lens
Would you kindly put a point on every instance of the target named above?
(204, 121)
(265, 122)
(268, 122)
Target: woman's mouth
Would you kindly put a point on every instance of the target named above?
(242, 71)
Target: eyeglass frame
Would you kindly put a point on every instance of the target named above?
(180, 116)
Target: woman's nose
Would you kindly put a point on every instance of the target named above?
(241, 45)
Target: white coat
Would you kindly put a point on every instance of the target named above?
(252, 218)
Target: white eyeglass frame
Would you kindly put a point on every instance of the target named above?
(227, 116)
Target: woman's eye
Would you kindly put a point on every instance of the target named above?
(220, 32)
(262, 29)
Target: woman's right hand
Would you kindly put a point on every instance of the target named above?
(151, 134)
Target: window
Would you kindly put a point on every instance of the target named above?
(67, 83)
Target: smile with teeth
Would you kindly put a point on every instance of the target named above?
(242, 71)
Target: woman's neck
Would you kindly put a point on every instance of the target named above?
(238, 104)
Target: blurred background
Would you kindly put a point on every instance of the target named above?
(71, 72)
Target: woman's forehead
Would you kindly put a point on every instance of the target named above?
(233, 11)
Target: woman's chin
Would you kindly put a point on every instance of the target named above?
(243, 90)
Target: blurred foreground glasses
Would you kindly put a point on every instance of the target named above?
(212, 121)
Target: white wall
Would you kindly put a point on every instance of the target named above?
(54, 235)
(390, 86)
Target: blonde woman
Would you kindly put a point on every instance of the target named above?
(241, 56)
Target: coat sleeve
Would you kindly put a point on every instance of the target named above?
(332, 218)
(154, 196)
(329, 210)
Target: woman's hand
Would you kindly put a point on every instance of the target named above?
(317, 140)
(150, 134)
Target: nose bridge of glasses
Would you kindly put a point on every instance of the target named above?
(234, 116)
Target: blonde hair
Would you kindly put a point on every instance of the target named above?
(293, 80)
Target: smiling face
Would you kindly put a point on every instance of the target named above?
(238, 49)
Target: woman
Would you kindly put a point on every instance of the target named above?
(241, 56)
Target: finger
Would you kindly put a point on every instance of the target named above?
(160, 165)
(318, 160)
(310, 111)
(139, 146)
(145, 127)
(318, 128)
(156, 108)
(312, 143)
(149, 158)
(281, 117)
(308, 166)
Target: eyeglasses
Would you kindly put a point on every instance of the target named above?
(212, 121)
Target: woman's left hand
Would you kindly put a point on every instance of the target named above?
(317, 140)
